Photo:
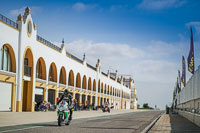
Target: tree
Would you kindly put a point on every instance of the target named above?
(145, 105)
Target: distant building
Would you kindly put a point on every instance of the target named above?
(129, 82)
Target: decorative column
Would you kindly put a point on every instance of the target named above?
(19, 66)
(98, 69)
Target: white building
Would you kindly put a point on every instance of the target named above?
(33, 69)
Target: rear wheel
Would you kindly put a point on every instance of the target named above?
(68, 122)
(59, 120)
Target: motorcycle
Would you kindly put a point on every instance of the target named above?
(106, 108)
(63, 113)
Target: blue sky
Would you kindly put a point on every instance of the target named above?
(144, 38)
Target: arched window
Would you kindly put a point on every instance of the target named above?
(105, 89)
(5, 59)
(62, 77)
(89, 83)
(78, 80)
(84, 82)
(71, 78)
(94, 85)
(102, 87)
(53, 73)
(39, 70)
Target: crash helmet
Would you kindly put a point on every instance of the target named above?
(66, 91)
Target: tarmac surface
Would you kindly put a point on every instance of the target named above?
(173, 123)
(20, 118)
(119, 123)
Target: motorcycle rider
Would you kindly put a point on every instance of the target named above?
(66, 95)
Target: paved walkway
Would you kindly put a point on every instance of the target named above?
(174, 123)
(19, 118)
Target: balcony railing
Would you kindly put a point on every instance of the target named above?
(112, 78)
(48, 43)
(69, 86)
(74, 57)
(77, 88)
(62, 85)
(27, 70)
(52, 82)
(89, 91)
(8, 21)
(90, 66)
(104, 74)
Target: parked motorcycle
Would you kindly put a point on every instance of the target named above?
(106, 108)
(63, 113)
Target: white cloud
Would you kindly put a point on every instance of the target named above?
(161, 4)
(108, 52)
(155, 71)
(154, 77)
(16, 12)
(82, 7)
(160, 48)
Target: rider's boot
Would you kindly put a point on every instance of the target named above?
(70, 117)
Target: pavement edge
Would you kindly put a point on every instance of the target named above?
(148, 128)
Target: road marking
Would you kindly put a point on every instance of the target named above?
(19, 129)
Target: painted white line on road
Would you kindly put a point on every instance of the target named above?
(19, 129)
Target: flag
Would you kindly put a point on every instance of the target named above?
(177, 86)
(174, 95)
(179, 79)
(183, 77)
(191, 55)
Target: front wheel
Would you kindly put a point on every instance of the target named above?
(59, 120)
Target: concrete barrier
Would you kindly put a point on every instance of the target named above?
(194, 118)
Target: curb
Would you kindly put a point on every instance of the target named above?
(146, 130)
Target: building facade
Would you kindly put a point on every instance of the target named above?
(33, 69)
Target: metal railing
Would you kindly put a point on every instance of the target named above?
(52, 82)
(119, 81)
(8, 21)
(62, 85)
(74, 57)
(77, 88)
(112, 78)
(27, 70)
(69, 86)
(39, 38)
(90, 66)
(104, 74)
